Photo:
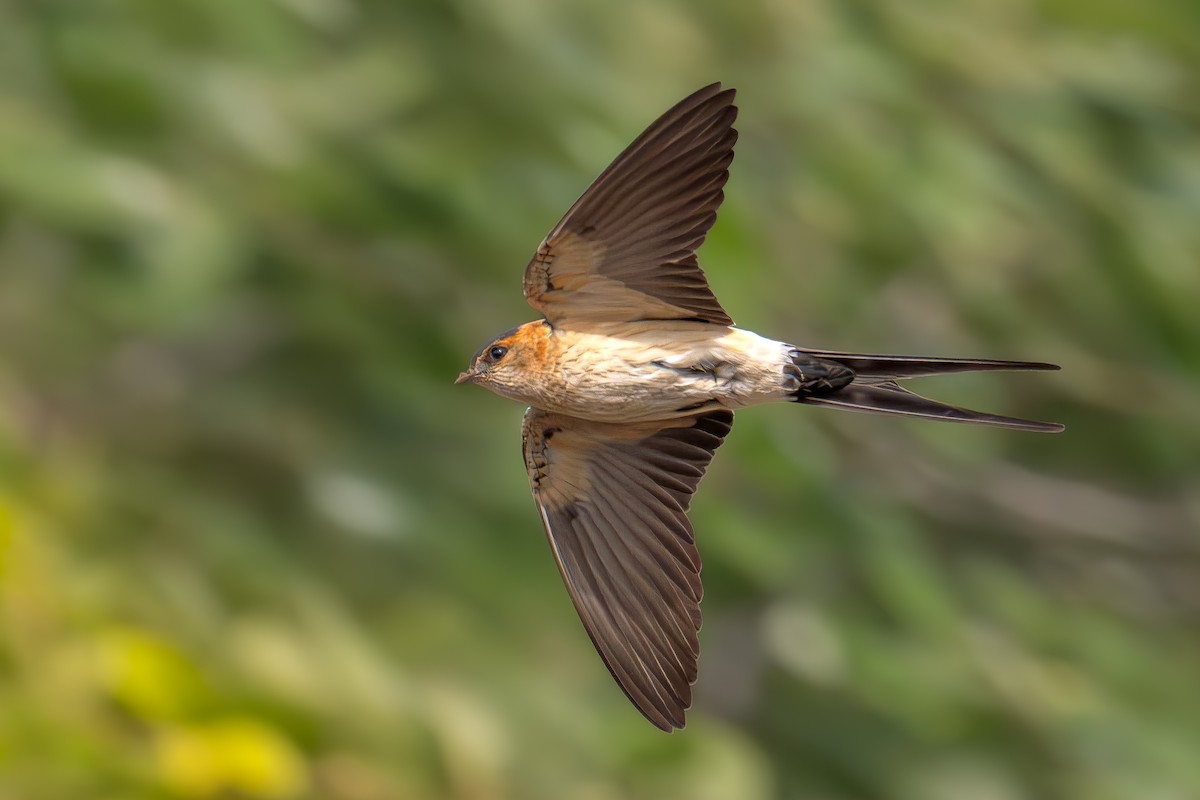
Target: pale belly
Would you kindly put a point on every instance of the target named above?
(652, 374)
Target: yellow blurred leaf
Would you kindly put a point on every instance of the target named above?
(148, 674)
(6, 534)
(239, 755)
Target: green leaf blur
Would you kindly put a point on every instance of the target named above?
(255, 544)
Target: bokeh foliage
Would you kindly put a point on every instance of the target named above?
(254, 544)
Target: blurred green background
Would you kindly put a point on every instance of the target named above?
(254, 544)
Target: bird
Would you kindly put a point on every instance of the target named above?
(632, 377)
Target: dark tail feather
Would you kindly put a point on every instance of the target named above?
(891, 398)
(857, 382)
(871, 366)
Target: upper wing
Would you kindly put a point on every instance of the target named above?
(626, 250)
(614, 502)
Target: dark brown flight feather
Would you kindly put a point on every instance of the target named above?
(626, 250)
(614, 501)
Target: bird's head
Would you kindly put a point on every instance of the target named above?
(507, 361)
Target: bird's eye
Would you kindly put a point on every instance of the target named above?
(497, 353)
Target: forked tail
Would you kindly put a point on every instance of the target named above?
(859, 382)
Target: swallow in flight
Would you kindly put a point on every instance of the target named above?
(632, 377)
